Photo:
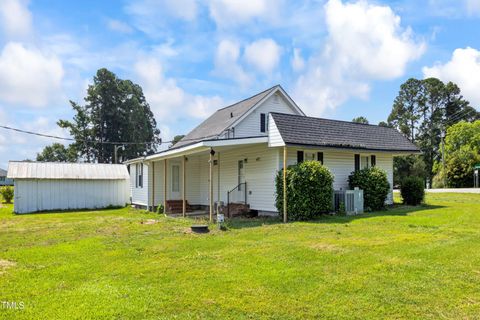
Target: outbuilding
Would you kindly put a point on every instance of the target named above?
(45, 186)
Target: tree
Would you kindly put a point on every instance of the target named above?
(423, 110)
(360, 119)
(176, 139)
(384, 124)
(57, 153)
(115, 111)
(462, 152)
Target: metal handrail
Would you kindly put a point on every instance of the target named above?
(228, 195)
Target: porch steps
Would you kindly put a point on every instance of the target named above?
(176, 206)
(237, 209)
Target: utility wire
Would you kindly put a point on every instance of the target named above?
(90, 141)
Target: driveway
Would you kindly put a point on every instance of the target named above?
(450, 190)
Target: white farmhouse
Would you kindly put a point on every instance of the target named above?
(233, 156)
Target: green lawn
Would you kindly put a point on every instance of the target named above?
(403, 263)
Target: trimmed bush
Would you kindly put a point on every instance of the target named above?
(374, 183)
(309, 190)
(7, 193)
(160, 209)
(412, 190)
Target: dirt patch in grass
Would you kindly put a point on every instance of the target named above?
(149, 221)
(5, 265)
(327, 247)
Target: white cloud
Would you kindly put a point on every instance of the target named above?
(462, 69)
(227, 64)
(15, 18)
(473, 7)
(263, 54)
(365, 42)
(234, 12)
(168, 101)
(29, 76)
(119, 26)
(298, 63)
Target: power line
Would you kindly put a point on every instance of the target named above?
(94, 142)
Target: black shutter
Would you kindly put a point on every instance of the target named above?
(357, 162)
(299, 156)
(373, 160)
(262, 122)
(320, 157)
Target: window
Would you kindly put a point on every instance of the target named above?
(309, 156)
(365, 162)
(373, 160)
(320, 157)
(299, 156)
(2, 178)
(139, 175)
(263, 122)
(357, 162)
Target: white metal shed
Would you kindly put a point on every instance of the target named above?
(44, 186)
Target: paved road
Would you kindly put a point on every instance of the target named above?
(459, 190)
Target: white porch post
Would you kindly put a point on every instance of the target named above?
(184, 204)
(210, 195)
(285, 184)
(165, 186)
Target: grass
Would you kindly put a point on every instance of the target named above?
(404, 263)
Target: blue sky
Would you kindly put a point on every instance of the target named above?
(337, 59)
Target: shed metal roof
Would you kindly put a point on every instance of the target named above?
(66, 171)
(301, 130)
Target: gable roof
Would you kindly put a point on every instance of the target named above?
(68, 171)
(309, 131)
(223, 118)
(3, 173)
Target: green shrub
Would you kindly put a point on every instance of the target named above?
(374, 183)
(160, 209)
(7, 193)
(412, 190)
(309, 190)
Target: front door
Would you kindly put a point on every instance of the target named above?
(175, 183)
(241, 180)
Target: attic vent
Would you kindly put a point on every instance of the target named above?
(231, 114)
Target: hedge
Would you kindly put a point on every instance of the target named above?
(374, 183)
(412, 190)
(309, 190)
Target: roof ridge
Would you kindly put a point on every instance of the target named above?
(344, 121)
(233, 104)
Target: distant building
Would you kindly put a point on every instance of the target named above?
(4, 181)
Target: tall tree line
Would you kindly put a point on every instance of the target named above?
(115, 111)
(423, 111)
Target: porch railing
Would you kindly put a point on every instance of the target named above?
(237, 194)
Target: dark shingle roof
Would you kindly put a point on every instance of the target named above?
(222, 119)
(3, 173)
(300, 130)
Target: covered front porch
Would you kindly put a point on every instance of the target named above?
(217, 179)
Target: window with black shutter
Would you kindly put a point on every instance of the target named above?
(263, 122)
(299, 156)
(373, 160)
(357, 162)
(320, 157)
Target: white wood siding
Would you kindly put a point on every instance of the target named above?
(250, 126)
(342, 162)
(32, 195)
(140, 195)
(274, 137)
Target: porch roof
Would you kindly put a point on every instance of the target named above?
(201, 146)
